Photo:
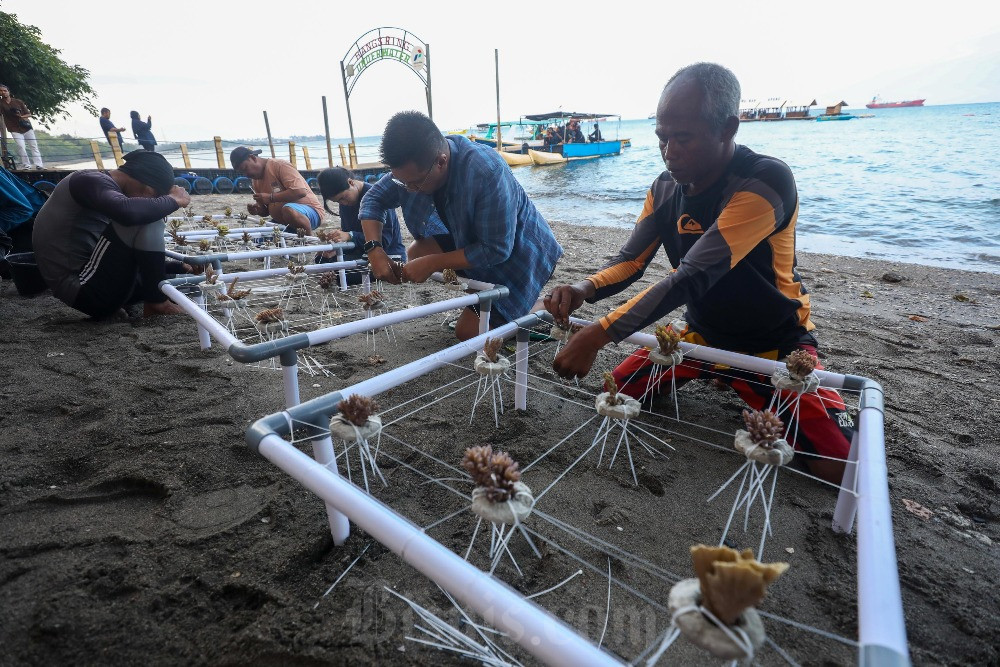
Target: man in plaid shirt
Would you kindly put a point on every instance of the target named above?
(466, 211)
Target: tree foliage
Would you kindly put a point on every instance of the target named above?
(35, 73)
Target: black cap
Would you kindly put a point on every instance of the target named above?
(150, 169)
(239, 154)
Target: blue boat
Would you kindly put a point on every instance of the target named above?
(548, 154)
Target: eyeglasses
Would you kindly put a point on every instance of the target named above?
(419, 186)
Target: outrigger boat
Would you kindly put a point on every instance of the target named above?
(524, 131)
(563, 152)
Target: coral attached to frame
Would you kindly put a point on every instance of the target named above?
(764, 426)
(270, 315)
(732, 581)
(497, 473)
(356, 409)
(800, 364)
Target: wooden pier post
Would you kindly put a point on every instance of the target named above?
(305, 154)
(352, 150)
(326, 125)
(343, 155)
(116, 150)
(218, 152)
(97, 154)
(184, 155)
(291, 154)
(267, 126)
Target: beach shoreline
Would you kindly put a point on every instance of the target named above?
(136, 526)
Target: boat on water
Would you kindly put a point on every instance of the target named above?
(775, 109)
(583, 150)
(834, 112)
(512, 133)
(877, 103)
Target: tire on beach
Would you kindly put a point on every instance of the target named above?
(223, 185)
(45, 186)
(201, 186)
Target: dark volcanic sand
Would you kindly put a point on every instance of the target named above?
(135, 525)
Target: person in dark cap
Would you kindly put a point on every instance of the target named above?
(98, 239)
(279, 190)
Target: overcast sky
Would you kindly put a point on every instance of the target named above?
(210, 68)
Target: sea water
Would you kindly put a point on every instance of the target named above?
(910, 185)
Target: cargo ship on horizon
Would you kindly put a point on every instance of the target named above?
(876, 103)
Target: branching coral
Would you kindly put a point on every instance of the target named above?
(189, 212)
(325, 235)
(492, 348)
(667, 339)
(270, 315)
(327, 280)
(612, 388)
(731, 581)
(243, 215)
(357, 409)
(222, 230)
(449, 277)
(204, 245)
(211, 277)
(228, 211)
(232, 293)
(800, 364)
(245, 239)
(763, 426)
(276, 235)
(208, 220)
(370, 299)
(295, 268)
(496, 473)
(179, 239)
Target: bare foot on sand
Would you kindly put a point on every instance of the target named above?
(165, 308)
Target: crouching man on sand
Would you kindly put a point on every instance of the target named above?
(725, 217)
(279, 190)
(466, 211)
(98, 240)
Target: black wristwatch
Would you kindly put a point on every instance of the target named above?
(371, 245)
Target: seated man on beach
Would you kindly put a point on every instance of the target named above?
(98, 239)
(725, 217)
(338, 185)
(279, 190)
(485, 227)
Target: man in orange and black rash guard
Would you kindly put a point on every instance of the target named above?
(726, 218)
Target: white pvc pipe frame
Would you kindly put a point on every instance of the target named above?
(209, 327)
(881, 626)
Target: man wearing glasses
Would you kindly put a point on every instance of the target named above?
(466, 211)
